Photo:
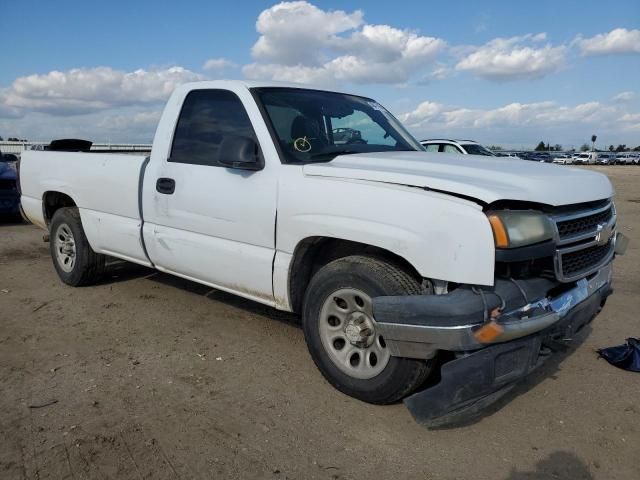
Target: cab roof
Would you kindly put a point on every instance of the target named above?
(261, 84)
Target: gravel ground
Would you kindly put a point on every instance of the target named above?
(156, 377)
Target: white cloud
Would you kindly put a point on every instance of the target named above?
(83, 90)
(7, 111)
(218, 65)
(617, 41)
(294, 33)
(438, 73)
(125, 125)
(300, 42)
(424, 112)
(514, 58)
(286, 73)
(631, 117)
(624, 97)
(519, 121)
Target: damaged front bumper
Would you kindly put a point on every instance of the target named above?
(536, 316)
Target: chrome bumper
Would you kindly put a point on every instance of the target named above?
(424, 340)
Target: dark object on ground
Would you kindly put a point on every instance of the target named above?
(9, 194)
(625, 356)
(43, 403)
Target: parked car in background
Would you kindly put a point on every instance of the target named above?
(585, 158)
(543, 157)
(564, 159)
(627, 158)
(531, 156)
(345, 135)
(9, 196)
(606, 159)
(507, 155)
(466, 147)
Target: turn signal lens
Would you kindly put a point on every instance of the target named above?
(499, 232)
(488, 332)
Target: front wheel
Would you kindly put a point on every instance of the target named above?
(342, 335)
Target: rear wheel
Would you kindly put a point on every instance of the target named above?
(73, 258)
(342, 335)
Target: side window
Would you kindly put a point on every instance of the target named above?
(432, 147)
(282, 118)
(206, 119)
(451, 149)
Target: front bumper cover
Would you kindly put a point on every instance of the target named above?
(537, 322)
(418, 326)
(475, 380)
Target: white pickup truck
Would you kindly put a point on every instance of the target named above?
(400, 263)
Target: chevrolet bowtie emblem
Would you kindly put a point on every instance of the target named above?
(603, 234)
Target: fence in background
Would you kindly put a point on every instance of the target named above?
(19, 147)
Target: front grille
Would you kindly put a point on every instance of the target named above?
(6, 184)
(577, 226)
(582, 261)
(585, 239)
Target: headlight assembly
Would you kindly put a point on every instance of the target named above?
(513, 228)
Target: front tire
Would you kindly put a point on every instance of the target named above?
(73, 258)
(341, 335)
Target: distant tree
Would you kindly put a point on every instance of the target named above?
(541, 147)
(621, 148)
(637, 149)
(612, 148)
(584, 147)
(557, 147)
(1, 139)
(494, 147)
(13, 139)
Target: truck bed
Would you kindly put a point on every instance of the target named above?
(104, 187)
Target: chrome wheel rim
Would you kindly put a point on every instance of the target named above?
(349, 335)
(65, 247)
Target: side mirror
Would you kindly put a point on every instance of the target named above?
(242, 153)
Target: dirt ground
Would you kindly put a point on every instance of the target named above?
(157, 377)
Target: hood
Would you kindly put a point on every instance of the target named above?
(8, 171)
(487, 179)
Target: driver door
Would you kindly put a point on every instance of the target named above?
(205, 222)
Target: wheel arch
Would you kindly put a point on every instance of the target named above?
(312, 253)
(52, 201)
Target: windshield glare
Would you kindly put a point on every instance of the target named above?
(316, 126)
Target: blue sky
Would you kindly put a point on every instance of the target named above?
(508, 73)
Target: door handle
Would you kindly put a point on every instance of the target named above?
(166, 186)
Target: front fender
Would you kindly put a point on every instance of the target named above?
(442, 236)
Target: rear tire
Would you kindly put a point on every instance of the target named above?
(340, 331)
(73, 258)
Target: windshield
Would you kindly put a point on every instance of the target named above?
(316, 126)
(475, 149)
